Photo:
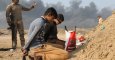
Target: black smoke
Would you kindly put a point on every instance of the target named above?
(83, 17)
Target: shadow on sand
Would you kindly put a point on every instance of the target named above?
(5, 49)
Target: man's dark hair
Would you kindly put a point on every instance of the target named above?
(13, 0)
(99, 16)
(51, 11)
(60, 17)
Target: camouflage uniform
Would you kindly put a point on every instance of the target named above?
(14, 19)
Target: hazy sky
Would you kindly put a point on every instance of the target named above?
(99, 3)
(80, 13)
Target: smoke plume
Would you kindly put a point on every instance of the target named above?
(82, 17)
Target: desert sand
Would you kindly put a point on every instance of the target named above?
(101, 42)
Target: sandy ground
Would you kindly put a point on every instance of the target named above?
(101, 45)
(5, 46)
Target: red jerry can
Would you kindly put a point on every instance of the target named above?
(70, 44)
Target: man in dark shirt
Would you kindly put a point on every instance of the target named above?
(53, 34)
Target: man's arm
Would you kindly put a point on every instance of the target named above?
(30, 38)
(27, 9)
(32, 35)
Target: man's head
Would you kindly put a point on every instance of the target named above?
(50, 14)
(59, 19)
(98, 16)
(15, 1)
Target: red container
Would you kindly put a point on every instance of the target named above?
(71, 41)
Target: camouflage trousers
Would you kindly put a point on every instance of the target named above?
(17, 28)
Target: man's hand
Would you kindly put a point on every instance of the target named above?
(25, 52)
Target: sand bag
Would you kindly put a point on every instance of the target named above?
(49, 53)
(70, 44)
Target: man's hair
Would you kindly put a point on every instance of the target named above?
(60, 17)
(99, 16)
(51, 11)
(13, 0)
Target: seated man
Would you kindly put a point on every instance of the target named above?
(40, 50)
(53, 34)
(38, 30)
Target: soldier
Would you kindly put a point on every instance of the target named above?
(14, 20)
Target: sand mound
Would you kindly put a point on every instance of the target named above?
(101, 44)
